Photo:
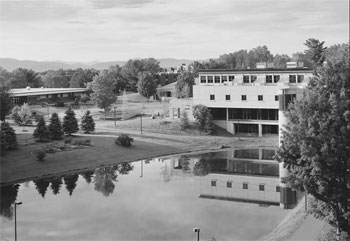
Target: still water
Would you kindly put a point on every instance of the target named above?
(159, 199)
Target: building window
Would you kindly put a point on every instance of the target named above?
(260, 98)
(229, 184)
(300, 78)
(223, 79)
(278, 189)
(276, 78)
(228, 97)
(203, 79)
(292, 79)
(276, 97)
(210, 79)
(261, 187)
(244, 97)
(245, 185)
(217, 79)
(245, 78)
(268, 78)
(213, 183)
(253, 78)
(212, 97)
(231, 78)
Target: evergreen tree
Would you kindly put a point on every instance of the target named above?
(70, 123)
(5, 100)
(41, 133)
(56, 185)
(41, 186)
(55, 127)
(87, 123)
(8, 137)
(315, 52)
(71, 182)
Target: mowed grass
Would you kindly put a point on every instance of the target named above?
(21, 164)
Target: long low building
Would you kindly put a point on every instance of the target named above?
(249, 100)
(35, 95)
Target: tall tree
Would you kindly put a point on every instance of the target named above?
(78, 79)
(103, 94)
(184, 85)
(70, 123)
(71, 182)
(87, 123)
(8, 198)
(280, 61)
(259, 54)
(5, 101)
(315, 52)
(316, 143)
(8, 137)
(55, 127)
(41, 133)
(229, 60)
(146, 85)
(41, 186)
(104, 179)
(119, 83)
(56, 184)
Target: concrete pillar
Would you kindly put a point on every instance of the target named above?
(233, 129)
(260, 129)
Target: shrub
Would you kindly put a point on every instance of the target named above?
(68, 140)
(81, 142)
(59, 104)
(204, 118)
(124, 140)
(40, 155)
(50, 148)
(87, 142)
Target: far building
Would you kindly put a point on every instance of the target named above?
(247, 100)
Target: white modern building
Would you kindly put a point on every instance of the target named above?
(248, 100)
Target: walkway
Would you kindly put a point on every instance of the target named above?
(309, 230)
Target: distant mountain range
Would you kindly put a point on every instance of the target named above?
(40, 66)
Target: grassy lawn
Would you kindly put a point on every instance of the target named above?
(21, 164)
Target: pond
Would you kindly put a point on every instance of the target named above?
(228, 195)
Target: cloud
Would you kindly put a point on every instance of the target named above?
(119, 3)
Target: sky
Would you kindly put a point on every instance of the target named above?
(108, 30)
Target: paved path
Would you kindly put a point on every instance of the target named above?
(309, 230)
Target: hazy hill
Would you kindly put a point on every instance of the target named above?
(40, 66)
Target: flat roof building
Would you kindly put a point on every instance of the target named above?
(248, 100)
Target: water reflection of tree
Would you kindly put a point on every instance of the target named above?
(56, 184)
(88, 176)
(202, 167)
(184, 162)
(8, 197)
(41, 186)
(71, 182)
(105, 176)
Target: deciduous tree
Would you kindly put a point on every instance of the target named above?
(184, 85)
(147, 85)
(103, 94)
(316, 143)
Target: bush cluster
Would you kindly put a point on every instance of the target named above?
(81, 142)
(124, 140)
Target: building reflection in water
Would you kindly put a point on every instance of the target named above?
(242, 175)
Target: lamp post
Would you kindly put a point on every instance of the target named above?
(16, 203)
(196, 230)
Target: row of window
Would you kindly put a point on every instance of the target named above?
(249, 78)
(245, 185)
(243, 97)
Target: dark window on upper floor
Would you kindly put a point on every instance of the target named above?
(292, 79)
(268, 78)
(223, 78)
(203, 79)
(253, 78)
(278, 189)
(261, 187)
(300, 78)
(276, 97)
(245, 78)
(245, 185)
(210, 79)
(244, 97)
(212, 97)
(276, 78)
(213, 183)
(228, 97)
(229, 184)
(260, 98)
(217, 79)
(231, 78)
